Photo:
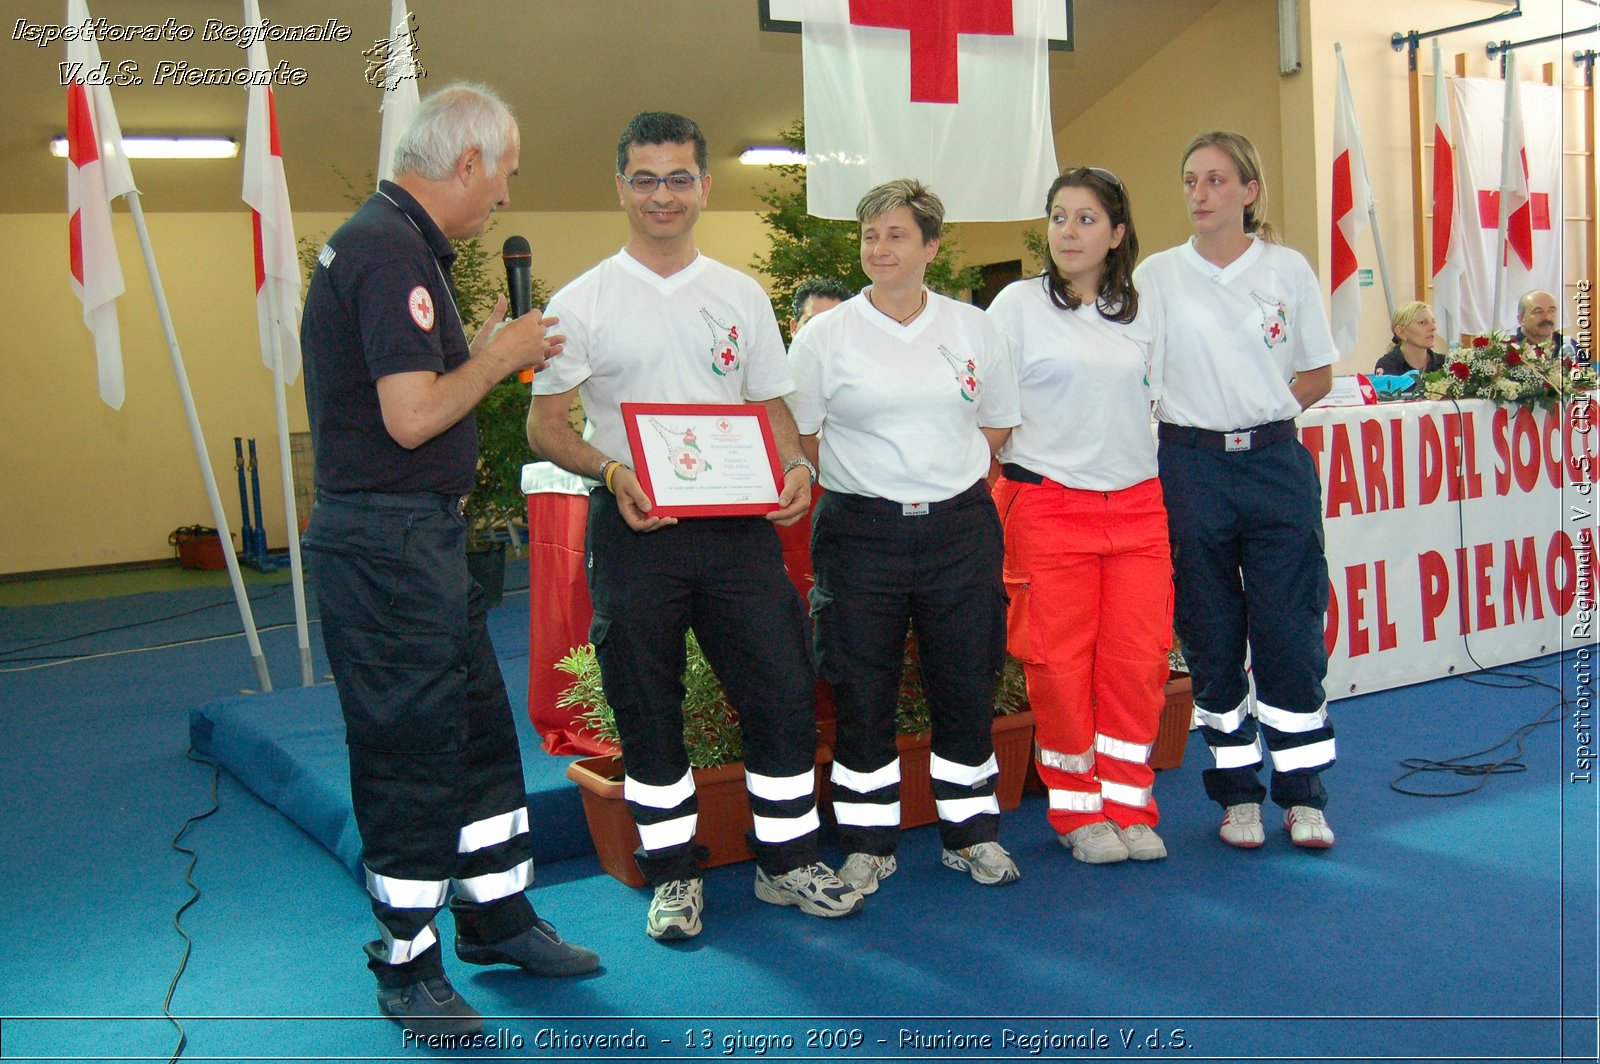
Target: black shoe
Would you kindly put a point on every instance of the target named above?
(431, 1006)
(537, 951)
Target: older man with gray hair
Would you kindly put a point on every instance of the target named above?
(391, 380)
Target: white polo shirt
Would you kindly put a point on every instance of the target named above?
(1228, 340)
(898, 407)
(704, 335)
(1085, 390)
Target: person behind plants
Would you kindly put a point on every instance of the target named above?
(1414, 334)
(815, 295)
(1087, 562)
(659, 322)
(1537, 315)
(435, 773)
(900, 398)
(1241, 347)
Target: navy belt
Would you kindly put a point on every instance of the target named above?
(1021, 474)
(1252, 439)
(397, 500)
(871, 504)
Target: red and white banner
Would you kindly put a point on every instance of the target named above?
(97, 172)
(400, 97)
(1458, 535)
(954, 93)
(1533, 254)
(267, 193)
(1352, 200)
(1448, 251)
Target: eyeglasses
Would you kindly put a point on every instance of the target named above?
(681, 181)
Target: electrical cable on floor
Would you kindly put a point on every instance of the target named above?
(177, 917)
(1464, 764)
(4, 654)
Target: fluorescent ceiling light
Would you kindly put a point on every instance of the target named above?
(772, 157)
(166, 147)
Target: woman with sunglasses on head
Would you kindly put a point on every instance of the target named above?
(1241, 347)
(1087, 564)
(901, 395)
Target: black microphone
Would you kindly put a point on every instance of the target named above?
(519, 275)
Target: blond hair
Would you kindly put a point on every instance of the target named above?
(1246, 160)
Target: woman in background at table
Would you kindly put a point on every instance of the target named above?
(1414, 334)
(1241, 347)
(1087, 562)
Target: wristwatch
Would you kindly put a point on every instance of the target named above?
(801, 461)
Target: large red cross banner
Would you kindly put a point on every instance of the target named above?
(954, 93)
(1533, 253)
(267, 193)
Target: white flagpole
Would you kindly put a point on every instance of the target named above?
(252, 14)
(290, 511)
(1506, 162)
(263, 678)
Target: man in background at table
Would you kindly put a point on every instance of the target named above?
(659, 322)
(1537, 315)
(435, 770)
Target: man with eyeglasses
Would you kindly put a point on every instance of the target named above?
(659, 322)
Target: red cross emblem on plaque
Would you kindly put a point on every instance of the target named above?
(934, 26)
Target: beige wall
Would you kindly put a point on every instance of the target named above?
(85, 485)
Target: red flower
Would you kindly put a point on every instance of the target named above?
(1461, 370)
(1512, 358)
(1480, 341)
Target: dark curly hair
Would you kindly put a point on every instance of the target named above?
(1117, 299)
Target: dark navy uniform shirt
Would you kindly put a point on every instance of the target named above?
(379, 303)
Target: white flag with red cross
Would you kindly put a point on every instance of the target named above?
(97, 173)
(1352, 199)
(954, 93)
(1449, 253)
(400, 71)
(1533, 253)
(267, 193)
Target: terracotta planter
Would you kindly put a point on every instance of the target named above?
(724, 813)
(1013, 750)
(1172, 736)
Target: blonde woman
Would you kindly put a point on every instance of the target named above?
(1241, 347)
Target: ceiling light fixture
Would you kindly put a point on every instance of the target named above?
(755, 156)
(166, 147)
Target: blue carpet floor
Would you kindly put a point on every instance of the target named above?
(1442, 929)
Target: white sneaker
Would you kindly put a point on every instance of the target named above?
(987, 862)
(864, 871)
(1142, 842)
(812, 888)
(1241, 826)
(1096, 843)
(675, 910)
(1307, 827)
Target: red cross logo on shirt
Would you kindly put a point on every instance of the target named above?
(1276, 330)
(728, 358)
(1237, 441)
(934, 26)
